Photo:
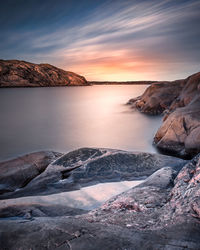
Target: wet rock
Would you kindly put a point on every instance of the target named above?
(15, 73)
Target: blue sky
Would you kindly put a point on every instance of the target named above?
(105, 40)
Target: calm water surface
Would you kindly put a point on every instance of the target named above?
(63, 119)
(86, 198)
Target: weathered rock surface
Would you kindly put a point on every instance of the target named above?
(76, 169)
(78, 233)
(17, 173)
(180, 101)
(180, 132)
(161, 213)
(14, 73)
(158, 97)
(167, 200)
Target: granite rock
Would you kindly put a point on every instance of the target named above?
(179, 101)
(79, 168)
(15, 73)
(161, 213)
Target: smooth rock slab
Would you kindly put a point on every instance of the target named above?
(89, 166)
(180, 132)
(78, 233)
(17, 173)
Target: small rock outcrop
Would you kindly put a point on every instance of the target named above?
(158, 97)
(15, 73)
(179, 101)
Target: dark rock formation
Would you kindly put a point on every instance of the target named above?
(180, 101)
(14, 73)
(39, 174)
(17, 173)
(161, 213)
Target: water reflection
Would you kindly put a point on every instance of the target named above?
(64, 118)
(87, 198)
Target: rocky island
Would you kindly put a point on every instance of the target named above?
(179, 101)
(15, 73)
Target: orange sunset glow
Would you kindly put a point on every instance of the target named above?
(110, 40)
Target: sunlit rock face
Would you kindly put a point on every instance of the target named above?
(163, 212)
(14, 73)
(158, 97)
(180, 102)
(180, 132)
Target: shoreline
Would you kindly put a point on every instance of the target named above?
(90, 83)
(179, 103)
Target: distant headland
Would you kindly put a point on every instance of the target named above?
(16, 73)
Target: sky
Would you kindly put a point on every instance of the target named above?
(105, 40)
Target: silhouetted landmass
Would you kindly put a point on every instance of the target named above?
(121, 83)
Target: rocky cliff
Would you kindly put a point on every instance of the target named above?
(14, 73)
(179, 101)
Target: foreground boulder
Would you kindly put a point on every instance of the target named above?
(180, 102)
(180, 132)
(79, 233)
(17, 173)
(161, 213)
(15, 73)
(42, 174)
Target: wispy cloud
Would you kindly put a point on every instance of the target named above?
(120, 39)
